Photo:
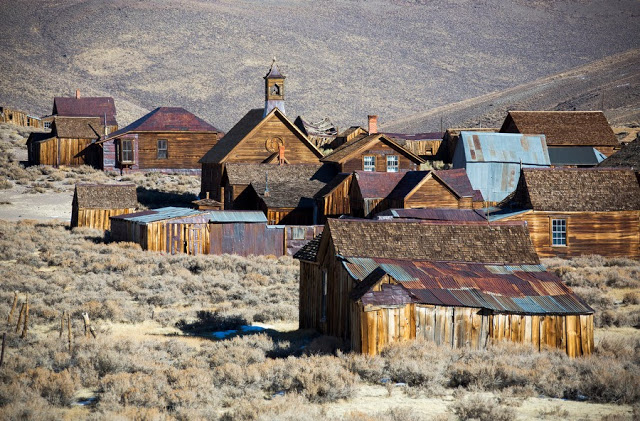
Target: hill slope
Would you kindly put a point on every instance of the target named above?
(343, 58)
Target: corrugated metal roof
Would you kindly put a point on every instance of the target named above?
(523, 289)
(226, 216)
(146, 217)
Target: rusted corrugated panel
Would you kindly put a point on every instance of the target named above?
(446, 297)
(425, 296)
(466, 298)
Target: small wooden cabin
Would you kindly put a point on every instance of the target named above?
(493, 160)
(78, 106)
(19, 118)
(262, 136)
(72, 142)
(565, 128)
(571, 211)
(372, 283)
(168, 139)
(94, 204)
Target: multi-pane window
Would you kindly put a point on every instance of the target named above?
(392, 163)
(126, 153)
(558, 232)
(47, 124)
(162, 149)
(369, 163)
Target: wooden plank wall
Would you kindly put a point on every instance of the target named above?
(459, 327)
(184, 149)
(431, 194)
(611, 234)
(290, 216)
(337, 202)
(309, 308)
(423, 148)
(188, 238)
(246, 239)
(96, 218)
(72, 152)
(380, 150)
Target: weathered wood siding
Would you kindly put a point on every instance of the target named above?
(337, 202)
(432, 194)
(211, 181)
(380, 150)
(461, 327)
(64, 151)
(246, 239)
(19, 118)
(184, 149)
(95, 218)
(309, 309)
(611, 234)
(290, 216)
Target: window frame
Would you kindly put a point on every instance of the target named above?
(372, 165)
(558, 231)
(165, 149)
(397, 163)
(123, 150)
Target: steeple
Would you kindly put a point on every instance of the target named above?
(273, 89)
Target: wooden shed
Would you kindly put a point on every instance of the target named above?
(262, 136)
(571, 211)
(72, 142)
(458, 284)
(565, 128)
(19, 118)
(94, 204)
(168, 139)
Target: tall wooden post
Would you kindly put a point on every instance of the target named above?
(20, 317)
(62, 324)
(26, 319)
(13, 307)
(4, 338)
(69, 329)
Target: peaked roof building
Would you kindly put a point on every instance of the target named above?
(86, 107)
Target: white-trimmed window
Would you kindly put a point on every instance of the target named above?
(163, 149)
(126, 151)
(558, 232)
(369, 163)
(392, 163)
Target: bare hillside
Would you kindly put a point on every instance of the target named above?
(611, 84)
(343, 58)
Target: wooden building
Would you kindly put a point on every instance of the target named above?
(372, 283)
(262, 136)
(72, 142)
(372, 193)
(168, 139)
(572, 212)
(285, 193)
(576, 129)
(333, 200)
(19, 118)
(428, 146)
(374, 152)
(94, 204)
(78, 106)
(493, 160)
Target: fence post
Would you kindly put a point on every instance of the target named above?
(69, 329)
(4, 338)
(61, 324)
(26, 319)
(13, 307)
(20, 317)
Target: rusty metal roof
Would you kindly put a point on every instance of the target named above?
(522, 289)
(86, 107)
(167, 119)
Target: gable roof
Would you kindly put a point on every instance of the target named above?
(333, 184)
(522, 289)
(458, 181)
(167, 119)
(86, 107)
(346, 150)
(628, 156)
(586, 128)
(290, 186)
(504, 147)
(106, 196)
(438, 241)
(252, 121)
(78, 127)
(578, 189)
(376, 185)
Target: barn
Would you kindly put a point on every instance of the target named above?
(458, 284)
(572, 211)
(94, 204)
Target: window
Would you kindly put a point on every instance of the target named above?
(298, 233)
(47, 124)
(126, 152)
(323, 315)
(392, 163)
(369, 163)
(162, 149)
(558, 232)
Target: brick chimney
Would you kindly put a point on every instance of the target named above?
(373, 124)
(77, 93)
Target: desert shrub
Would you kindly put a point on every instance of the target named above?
(478, 407)
(631, 297)
(5, 184)
(212, 321)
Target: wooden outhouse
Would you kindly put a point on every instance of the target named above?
(72, 142)
(571, 211)
(562, 129)
(94, 204)
(458, 284)
(262, 136)
(168, 139)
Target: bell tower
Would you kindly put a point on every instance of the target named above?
(273, 90)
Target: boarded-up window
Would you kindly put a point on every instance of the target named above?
(369, 163)
(558, 232)
(163, 152)
(392, 163)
